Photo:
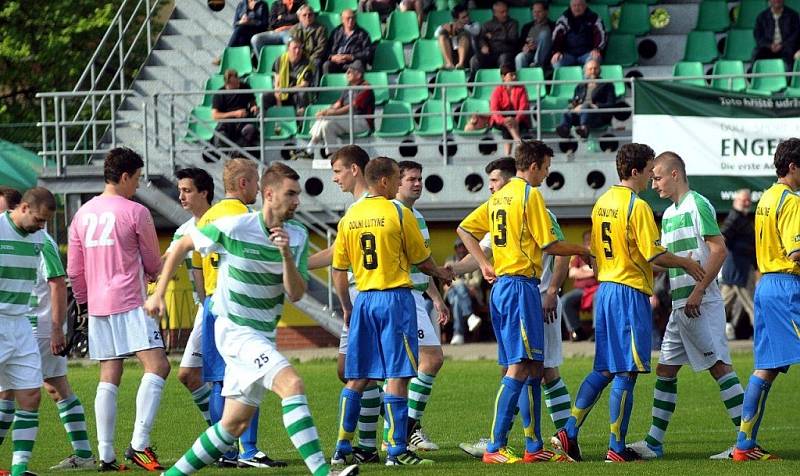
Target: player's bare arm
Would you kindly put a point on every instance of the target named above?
(321, 259)
(550, 301)
(430, 268)
(293, 282)
(563, 248)
(341, 286)
(438, 303)
(155, 305)
(716, 256)
(58, 311)
(199, 283)
(466, 265)
(474, 248)
(692, 267)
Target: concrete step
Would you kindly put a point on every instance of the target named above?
(212, 44)
(181, 57)
(195, 27)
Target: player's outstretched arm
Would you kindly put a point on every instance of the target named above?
(467, 264)
(341, 286)
(58, 313)
(321, 259)
(563, 248)
(430, 268)
(692, 267)
(155, 305)
(474, 248)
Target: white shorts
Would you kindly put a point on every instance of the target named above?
(20, 364)
(121, 335)
(553, 357)
(699, 342)
(52, 365)
(193, 353)
(425, 330)
(251, 360)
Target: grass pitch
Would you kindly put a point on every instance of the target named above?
(460, 410)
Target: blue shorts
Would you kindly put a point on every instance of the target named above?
(776, 337)
(623, 329)
(517, 320)
(382, 340)
(213, 365)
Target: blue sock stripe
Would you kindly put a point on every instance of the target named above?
(396, 410)
(620, 406)
(505, 404)
(755, 400)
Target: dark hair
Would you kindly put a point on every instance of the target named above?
(633, 156)
(457, 10)
(507, 68)
(276, 173)
(409, 165)
(497, 2)
(351, 154)
(230, 74)
(201, 179)
(543, 3)
(674, 162)
(788, 153)
(378, 168)
(531, 152)
(12, 196)
(38, 198)
(506, 165)
(120, 161)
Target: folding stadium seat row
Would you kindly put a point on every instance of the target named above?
(766, 85)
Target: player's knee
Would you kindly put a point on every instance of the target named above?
(340, 371)
(29, 400)
(720, 369)
(189, 377)
(53, 392)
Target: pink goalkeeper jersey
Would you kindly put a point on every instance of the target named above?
(112, 247)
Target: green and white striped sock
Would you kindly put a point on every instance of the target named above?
(6, 417)
(23, 435)
(207, 449)
(368, 417)
(664, 397)
(300, 427)
(558, 401)
(419, 391)
(732, 395)
(200, 396)
(73, 418)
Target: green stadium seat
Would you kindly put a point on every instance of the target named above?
(604, 14)
(412, 95)
(330, 21)
(489, 75)
(388, 57)
(565, 3)
(621, 50)
(454, 93)
(315, 5)
(480, 15)
(768, 84)
(548, 122)
(402, 27)
(259, 81)
(614, 71)
(795, 81)
(521, 14)
(371, 22)
(200, 125)
(435, 19)
(431, 125)
(267, 57)
(380, 82)
(712, 15)
(689, 68)
(595, 3)
(238, 58)
(396, 126)
(700, 46)
(338, 6)
(634, 19)
(213, 83)
(280, 123)
(471, 106)
(793, 4)
(426, 56)
(334, 80)
(565, 90)
(739, 45)
(309, 118)
(646, 2)
(533, 74)
(792, 92)
(723, 67)
(556, 11)
(748, 11)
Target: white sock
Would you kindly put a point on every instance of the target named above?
(105, 416)
(148, 398)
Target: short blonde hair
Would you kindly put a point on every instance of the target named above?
(236, 169)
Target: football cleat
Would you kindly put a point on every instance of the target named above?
(362, 456)
(545, 456)
(341, 458)
(409, 458)
(646, 451)
(419, 441)
(625, 456)
(727, 454)
(562, 441)
(145, 459)
(351, 470)
(111, 467)
(755, 453)
(75, 462)
(260, 460)
(477, 449)
(504, 455)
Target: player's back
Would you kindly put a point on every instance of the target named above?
(624, 239)
(20, 255)
(226, 207)
(777, 225)
(112, 245)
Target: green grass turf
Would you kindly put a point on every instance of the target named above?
(460, 410)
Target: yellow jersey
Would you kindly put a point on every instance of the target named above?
(519, 225)
(380, 241)
(778, 230)
(226, 207)
(625, 239)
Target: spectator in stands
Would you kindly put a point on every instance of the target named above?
(497, 41)
(282, 17)
(588, 95)
(509, 107)
(459, 295)
(334, 120)
(537, 38)
(740, 263)
(251, 18)
(382, 7)
(235, 106)
(578, 36)
(456, 38)
(291, 70)
(581, 297)
(312, 35)
(777, 33)
(349, 43)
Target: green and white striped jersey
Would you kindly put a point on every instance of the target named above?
(20, 255)
(250, 285)
(182, 231)
(40, 303)
(419, 278)
(683, 227)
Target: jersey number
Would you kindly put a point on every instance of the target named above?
(368, 252)
(499, 217)
(91, 221)
(605, 233)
